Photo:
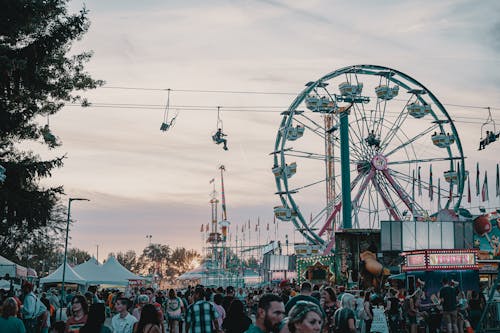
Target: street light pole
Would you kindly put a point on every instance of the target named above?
(63, 298)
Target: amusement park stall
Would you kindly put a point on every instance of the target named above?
(431, 266)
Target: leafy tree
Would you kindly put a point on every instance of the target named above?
(129, 260)
(181, 261)
(76, 256)
(37, 77)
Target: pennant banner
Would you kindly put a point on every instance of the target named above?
(469, 199)
(477, 179)
(497, 185)
(419, 183)
(431, 187)
(484, 191)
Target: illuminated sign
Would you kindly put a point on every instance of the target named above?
(415, 260)
(444, 259)
(440, 260)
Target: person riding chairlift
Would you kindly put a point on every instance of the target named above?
(218, 138)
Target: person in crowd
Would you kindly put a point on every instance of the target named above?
(305, 295)
(226, 302)
(462, 315)
(201, 316)
(236, 321)
(95, 320)
(286, 291)
(448, 297)
(142, 300)
(79, 310)
(329, 304)
(270, 313)
(410, 308)
(344, 317)
(174, 309)
(149, 322)
(33, 310)
(305, 317)
(46, 319)
(368, 311)
(123, 321)
(392, 310)
(160, 298)
(9, 323)
(475, 309)
(185, 306)
(220, 309)
(150, 292)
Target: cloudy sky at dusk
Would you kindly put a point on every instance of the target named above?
(142, 181)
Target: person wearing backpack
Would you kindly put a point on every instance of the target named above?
(392, 310)
(344, 317)
(33, 310)
(368, 313)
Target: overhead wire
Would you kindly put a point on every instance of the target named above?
(263, 93)
(246, 109)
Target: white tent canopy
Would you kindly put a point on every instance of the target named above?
(194, 274)
(112, 272)
(71, 276)
(11, 268)
(90, 271)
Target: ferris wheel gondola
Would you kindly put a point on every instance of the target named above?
(387, 138)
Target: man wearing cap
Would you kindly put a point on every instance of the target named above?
(201, 316)
(305, 295)
(270, 313)
(286, 291)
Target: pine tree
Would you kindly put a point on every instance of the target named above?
(37, 77)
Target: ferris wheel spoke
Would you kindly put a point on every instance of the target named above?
(338, 205)
(386, 197)
(425, 160)
(314, 130)
(411, 204)
(396, 125)
(360, 195)
(416, 137)
(359, 147)
(307, 185)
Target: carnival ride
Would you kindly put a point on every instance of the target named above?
(358, 137)
(167, 122)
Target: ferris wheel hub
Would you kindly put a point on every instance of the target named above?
(379, 162)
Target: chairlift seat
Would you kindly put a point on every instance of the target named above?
(217, 139)
(443, 140)
(418, 110)
(164, 127)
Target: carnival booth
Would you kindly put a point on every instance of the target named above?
(70, 277)
(431, 266)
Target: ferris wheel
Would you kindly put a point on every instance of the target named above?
(365, 144)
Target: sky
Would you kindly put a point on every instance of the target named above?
(141, 181)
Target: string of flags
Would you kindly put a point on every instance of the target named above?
(482, 191)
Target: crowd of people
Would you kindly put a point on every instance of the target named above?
(285, 308)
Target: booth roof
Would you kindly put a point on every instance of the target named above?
(71, 276)
(11, 268)
(90, 271)
(112, 272)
